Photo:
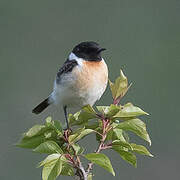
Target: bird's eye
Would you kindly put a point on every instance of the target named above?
(77, 49)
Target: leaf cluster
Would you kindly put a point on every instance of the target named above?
(110, 124)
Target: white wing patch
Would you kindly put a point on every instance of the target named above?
(72, 56)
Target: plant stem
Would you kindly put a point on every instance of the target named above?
(81, 173)
(101, 144)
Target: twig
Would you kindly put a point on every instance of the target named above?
(81, 173)
(101, 144)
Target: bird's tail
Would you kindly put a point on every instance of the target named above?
(43, 105)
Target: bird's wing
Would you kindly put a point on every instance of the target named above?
(66, 68)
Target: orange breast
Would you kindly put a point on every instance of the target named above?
(91, 74)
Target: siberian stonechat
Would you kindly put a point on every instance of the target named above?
(80, 81)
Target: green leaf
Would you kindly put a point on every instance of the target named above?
(140, 149)
(52, 171)
(73, 119)
(113, 110)
(90, 175)
(48, 119)
(127, 156)
(51, 159)
(121, 144)
(79, 135)
(82, 117)
(129, 110)
(137, 126)
(98, 136)
(36, 130)
(113, 90)
(67, 170)
(48, 147)
(108, 111)
(54, 125)
(75, 134)
(103, 109)
(101, 160)
(78, 149)
(109, 136)
(89, 109)
(118, 135)
(39, 134)
(86, 113)
(58, 125)
(50, 134)
(120, 86)
(32, 142)
(126, 136)
(93, 125)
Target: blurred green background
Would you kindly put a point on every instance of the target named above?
(142, 38)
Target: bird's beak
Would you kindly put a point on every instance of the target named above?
(101, 49)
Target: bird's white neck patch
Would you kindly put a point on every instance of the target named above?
(72, 56)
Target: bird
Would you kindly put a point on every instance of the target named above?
(81, 80)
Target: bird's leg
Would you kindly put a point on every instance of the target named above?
(66, 116)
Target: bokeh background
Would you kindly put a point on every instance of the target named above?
(142, 38)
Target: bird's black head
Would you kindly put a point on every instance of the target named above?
(90, 51)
